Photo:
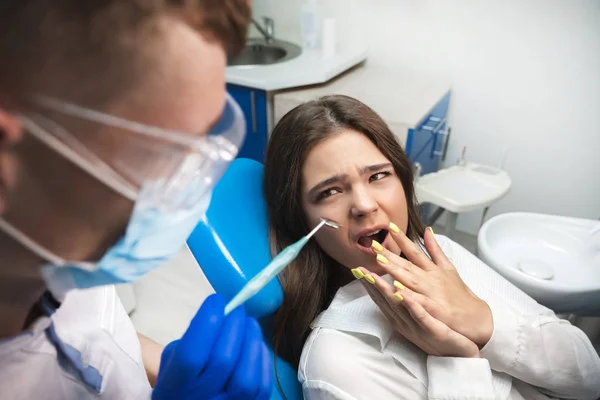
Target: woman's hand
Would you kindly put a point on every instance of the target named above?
(437, 286)
(412, 321)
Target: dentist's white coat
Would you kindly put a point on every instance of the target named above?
(92, 321)
(353, 353)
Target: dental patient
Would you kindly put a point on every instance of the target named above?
(382, 308)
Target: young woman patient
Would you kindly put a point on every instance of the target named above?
(424, 319)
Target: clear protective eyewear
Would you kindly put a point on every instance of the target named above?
(155, 167)
(168, 174)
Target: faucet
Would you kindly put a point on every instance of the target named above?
(268, 31)
(417, 169)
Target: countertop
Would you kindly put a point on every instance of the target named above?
(309, 68)
(399, 96)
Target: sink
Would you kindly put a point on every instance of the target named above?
(259, 52)
(554, 259)
(463, 188)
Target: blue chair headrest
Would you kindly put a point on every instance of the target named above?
(232, 245)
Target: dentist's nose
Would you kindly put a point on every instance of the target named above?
(10, 129)
(363, 203)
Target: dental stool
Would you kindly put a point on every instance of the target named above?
(234, 246)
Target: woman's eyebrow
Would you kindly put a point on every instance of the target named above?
(327, 182)
(374, 168)
(341, 177)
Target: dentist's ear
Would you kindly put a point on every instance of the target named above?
(10, 129)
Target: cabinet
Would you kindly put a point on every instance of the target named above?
(253, 103)
(427, 142)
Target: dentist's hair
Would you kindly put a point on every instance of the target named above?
(88, 47)
(311, 281)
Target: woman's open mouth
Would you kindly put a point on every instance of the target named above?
(364, 242)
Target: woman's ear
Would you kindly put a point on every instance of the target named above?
(10, 129)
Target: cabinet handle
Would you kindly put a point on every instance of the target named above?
(443, 152)
(417, 169)
(253, 106)
(448, 132)
(426, 127)
(436, 128)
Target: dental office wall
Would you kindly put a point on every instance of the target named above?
(525, 75)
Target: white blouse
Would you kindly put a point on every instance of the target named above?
(353, 352)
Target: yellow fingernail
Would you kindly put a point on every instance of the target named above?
(381, 258)
(431, 229)
(370, 279)
(358, 274)
(376, 246)
(398, 296)
(394, 227)
(398, 285)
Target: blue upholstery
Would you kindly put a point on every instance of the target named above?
(234, 246)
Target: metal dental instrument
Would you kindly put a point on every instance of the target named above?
(276, 265)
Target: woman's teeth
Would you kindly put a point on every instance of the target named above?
(367, 240)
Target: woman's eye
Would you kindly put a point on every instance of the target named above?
(326, 193)
(379, 175)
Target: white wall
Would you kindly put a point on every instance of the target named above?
(525, 73)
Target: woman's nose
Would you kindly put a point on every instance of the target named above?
(363, 203)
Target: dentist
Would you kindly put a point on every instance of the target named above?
(114, 128)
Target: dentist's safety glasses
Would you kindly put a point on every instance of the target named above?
(168, 174)
(156, 167)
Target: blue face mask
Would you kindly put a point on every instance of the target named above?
(152, 238)
(168, 204)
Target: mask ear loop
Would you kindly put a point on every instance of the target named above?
(104, 174)
(30, 244)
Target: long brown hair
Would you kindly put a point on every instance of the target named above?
(310, 282)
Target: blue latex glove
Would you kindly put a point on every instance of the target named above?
(217, 358)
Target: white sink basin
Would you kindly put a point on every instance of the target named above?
(463, 188)
(556, 260)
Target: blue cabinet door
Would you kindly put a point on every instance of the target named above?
(253, 103)
(426, 140)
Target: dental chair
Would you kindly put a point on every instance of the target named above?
(234, 246)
